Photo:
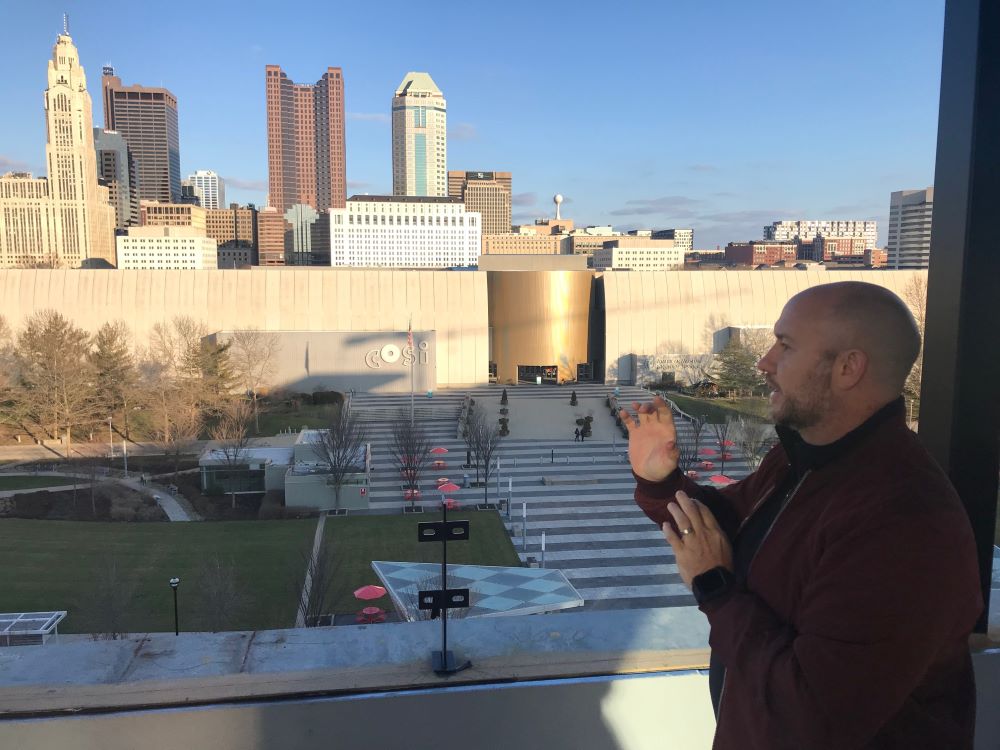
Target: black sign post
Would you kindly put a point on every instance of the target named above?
(441, 600)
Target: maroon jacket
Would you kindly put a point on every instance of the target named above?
(851, 629)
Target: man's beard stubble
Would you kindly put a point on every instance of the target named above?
(807, 407)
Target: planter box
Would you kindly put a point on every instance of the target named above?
(413, 509)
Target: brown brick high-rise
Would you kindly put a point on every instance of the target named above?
(305, 141)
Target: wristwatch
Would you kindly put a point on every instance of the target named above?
(712, 584)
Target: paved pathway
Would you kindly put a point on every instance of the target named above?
(174, 510)
(594, 532)
(300, 615)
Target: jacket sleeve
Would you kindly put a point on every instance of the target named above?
(730, 505)
(886, 596)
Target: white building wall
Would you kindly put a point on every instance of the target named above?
(639, 258)
(404, 234)
(166, 250)
(653, 318)
(453, 305)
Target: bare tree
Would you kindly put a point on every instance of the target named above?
(314, 590)
(177, 416)
(410, 448)
(695, 368)
(56, 378)
(690, 446)
(915, 296)
(485, 438)
(232, 437)
(341, 446)
(253, 356)
(753, 438)
(223, 597)
(106, 606)
(723, 432)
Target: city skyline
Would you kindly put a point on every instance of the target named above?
(737, 142)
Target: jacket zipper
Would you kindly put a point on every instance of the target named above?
(788, 500)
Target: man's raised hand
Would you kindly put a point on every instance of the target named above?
(652, 440)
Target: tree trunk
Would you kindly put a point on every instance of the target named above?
(336, 497)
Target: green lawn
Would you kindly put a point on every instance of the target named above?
(30, 482)
(715, 410)
(357, 540)
(275, 419)
(51, 565)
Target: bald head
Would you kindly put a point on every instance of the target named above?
(870, 318)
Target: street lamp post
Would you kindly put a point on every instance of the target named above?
(111, 444)
(174, 582)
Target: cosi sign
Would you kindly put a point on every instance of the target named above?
(390, 354)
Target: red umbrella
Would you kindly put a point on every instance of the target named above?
(707, 452)
(439, 451)
(727, 443)
(721, 479)
(448, 487)
(369, 592)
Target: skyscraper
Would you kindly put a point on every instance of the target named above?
(147, 120)
(305, 141)
(212, 188)
(910, 214)
(419, 138)
(116, 168)
(67, 219)
(488, 194)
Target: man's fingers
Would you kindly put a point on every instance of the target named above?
(672, 536)
(692, 509)
(681, 518)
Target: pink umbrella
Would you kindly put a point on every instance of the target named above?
(439, 451)
(448, 487)
(707, 452)
(727, 443)
(369, 592)
(721, 479)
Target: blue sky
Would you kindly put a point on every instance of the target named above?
(719, 115)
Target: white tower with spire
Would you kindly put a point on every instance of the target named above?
(68, 218)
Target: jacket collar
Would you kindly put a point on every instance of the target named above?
(805, 456)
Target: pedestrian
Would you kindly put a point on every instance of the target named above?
(576, 435)
(840, 578)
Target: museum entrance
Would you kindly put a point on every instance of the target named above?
(531, 373)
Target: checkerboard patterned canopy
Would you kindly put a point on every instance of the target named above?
(493, 590)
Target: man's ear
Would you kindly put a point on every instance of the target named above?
(850, 368)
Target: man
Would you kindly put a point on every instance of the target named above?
(840, 578)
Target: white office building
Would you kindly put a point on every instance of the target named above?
(419, 138)
(209, 187)
(391, 231)
(807, 230)
(910, 213)
(639, 254)
(166, 248)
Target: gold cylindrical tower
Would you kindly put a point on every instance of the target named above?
(539, 319)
